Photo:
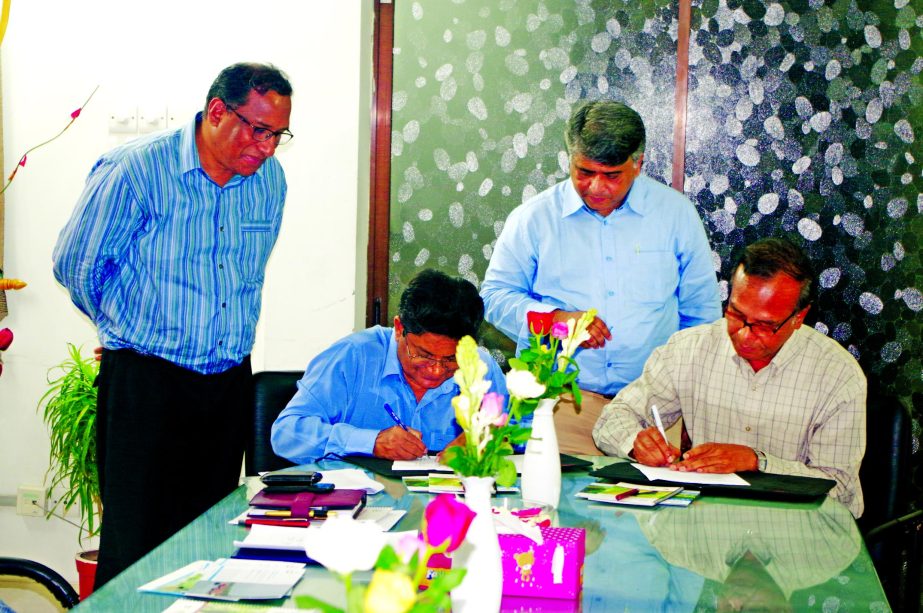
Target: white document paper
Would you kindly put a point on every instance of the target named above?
(430, 464)
(351, 479)
(384, 517)
(229, 579)
(188, 605)
(263, 536)
(654, 473)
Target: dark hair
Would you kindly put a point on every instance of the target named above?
(234, 84)
(435, 302)
(769, 256)
(606, 132)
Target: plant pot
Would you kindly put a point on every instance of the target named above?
(86, 571)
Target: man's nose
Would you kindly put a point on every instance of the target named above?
(267, 147)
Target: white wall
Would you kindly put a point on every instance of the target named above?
(166, 54)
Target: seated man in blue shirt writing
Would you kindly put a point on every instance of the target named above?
(388, 392)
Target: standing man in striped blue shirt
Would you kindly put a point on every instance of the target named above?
(166, 252)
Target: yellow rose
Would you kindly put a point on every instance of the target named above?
(390, 592)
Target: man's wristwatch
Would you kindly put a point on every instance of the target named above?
(760, 460)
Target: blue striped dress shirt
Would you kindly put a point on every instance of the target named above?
(163, 260)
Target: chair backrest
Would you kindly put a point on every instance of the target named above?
(272, 390)
(887, 466)
(54, 587)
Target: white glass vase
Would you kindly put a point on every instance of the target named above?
(481, 589)
(541, 466)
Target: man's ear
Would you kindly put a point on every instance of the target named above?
(398, 326)
(801, 316)
(215, 111)
(640, 161)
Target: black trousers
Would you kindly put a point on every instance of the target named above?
(169, 444)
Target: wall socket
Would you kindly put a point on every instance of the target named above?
(30, 501)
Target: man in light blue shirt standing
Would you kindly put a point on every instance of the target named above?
(165, 253)
(611, 239)
(387, 392)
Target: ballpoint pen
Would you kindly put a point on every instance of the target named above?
(632, 492)
(659, 423)
(394, 416)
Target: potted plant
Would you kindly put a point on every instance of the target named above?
(69, 410)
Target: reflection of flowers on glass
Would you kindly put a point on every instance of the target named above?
(344, 545)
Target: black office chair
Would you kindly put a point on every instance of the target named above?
(886, 469)
(891, 528)
(272, 389)
(39, 579)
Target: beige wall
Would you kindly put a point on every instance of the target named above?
(164, 55)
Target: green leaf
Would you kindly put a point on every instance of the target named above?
(305, 601)
(506, 476)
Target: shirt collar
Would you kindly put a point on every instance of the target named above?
(189, 153)
(392, 363)
(635, 199)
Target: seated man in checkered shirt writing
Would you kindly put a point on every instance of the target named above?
(757, 390)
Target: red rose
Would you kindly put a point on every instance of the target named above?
(540, 323)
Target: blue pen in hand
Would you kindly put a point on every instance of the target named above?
(394, 416)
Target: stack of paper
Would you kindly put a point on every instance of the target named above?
(628, 493)
(226, 579)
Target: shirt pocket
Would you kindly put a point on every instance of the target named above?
(256, 241)
(651, 277)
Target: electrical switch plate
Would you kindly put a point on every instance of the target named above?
(123, 121)
(30, 500)
(152, 119)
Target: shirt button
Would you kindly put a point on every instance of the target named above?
(608, 364)
(608, 258)
(220, 343)
(611, 293)
(747, 428)
(220, 266)
(221, 229)
(224, 305)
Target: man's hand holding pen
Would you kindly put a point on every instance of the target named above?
(652, 449)
(397, 443)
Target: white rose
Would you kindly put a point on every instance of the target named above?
(523, 384)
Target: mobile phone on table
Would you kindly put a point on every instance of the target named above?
(291, 477)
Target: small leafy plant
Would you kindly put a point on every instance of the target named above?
(69, 410)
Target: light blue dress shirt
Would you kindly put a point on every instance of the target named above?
(647, 268)
(163, 260)
(339, 406)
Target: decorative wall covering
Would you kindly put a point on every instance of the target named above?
(804, 121)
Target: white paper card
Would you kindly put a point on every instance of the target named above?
(654, 473)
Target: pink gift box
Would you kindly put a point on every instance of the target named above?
(553, 569)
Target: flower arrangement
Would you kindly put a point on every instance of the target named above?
(549, 357)
(489, 432)
(544, 370)
(344, 545)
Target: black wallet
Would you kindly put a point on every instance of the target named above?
(290, 476)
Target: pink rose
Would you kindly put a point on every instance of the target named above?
(559, 330)
(492, 407)
(446, 521)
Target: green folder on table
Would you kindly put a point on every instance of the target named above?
(766, 486)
